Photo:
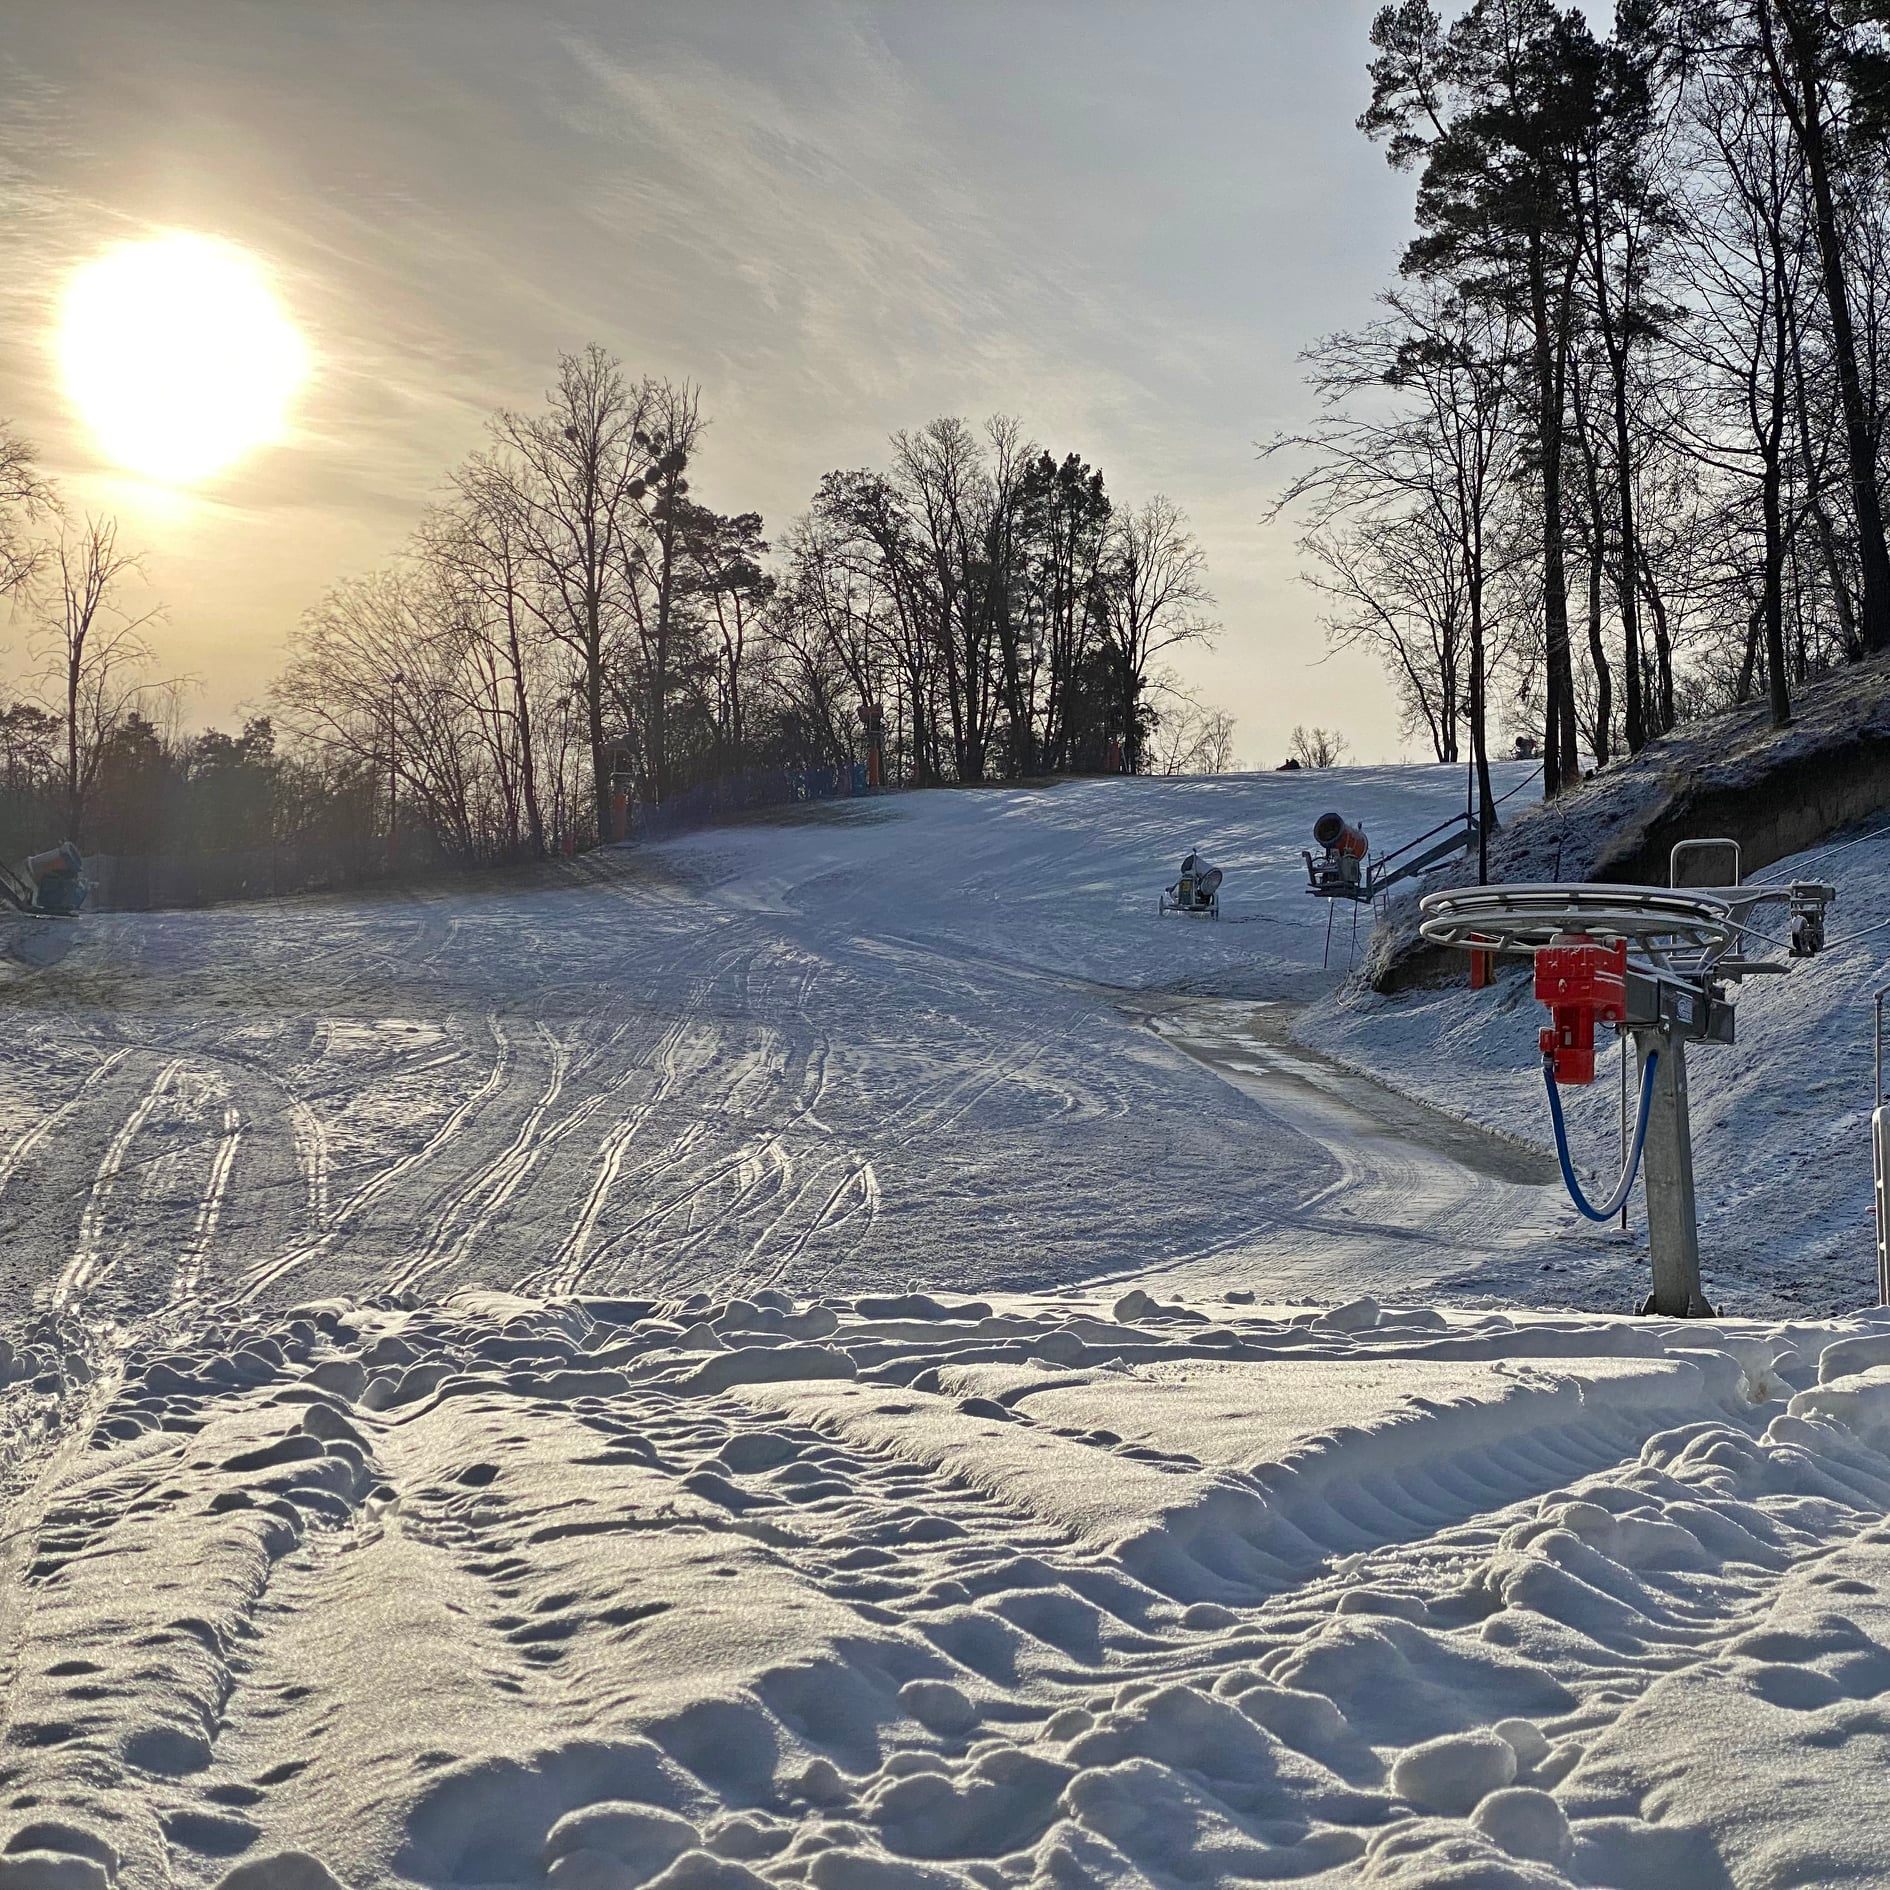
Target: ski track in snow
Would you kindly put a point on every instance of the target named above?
(499, 1405)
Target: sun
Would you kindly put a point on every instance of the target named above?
(177, 353)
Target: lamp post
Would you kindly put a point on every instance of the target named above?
(394, 682)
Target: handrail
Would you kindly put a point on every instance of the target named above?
(1456, 820)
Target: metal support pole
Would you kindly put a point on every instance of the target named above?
(1880, 1154)
(1673, 1231)
(1624, 1121)
(1880, 1178)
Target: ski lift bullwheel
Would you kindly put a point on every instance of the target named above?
(1678, 931)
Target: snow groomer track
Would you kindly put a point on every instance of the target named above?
(848, 1353)
(895, 1045)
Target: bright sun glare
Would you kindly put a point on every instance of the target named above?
(178, 355)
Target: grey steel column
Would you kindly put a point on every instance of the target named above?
(1673, 1229)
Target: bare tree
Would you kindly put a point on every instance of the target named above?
(1189, 738)
(1801, 45)
(1411, 489)
(1747, 250)
(948, 497)
(728, 582)
(574, 467)
(482, 539)
(91, 646)
(1158, 600)
(1318, 747)
(671, 428)
(26, 501)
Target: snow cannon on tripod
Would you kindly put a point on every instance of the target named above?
(1197, 891)
(1346, 868)
(1654, 964)
(1341, 871)
(51, 885)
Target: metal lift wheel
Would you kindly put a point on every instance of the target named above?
(1678, 928)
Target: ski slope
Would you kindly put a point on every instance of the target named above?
(849, 1352)
(895, 1043)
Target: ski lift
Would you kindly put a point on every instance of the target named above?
(1197, 891)
(1654, 964)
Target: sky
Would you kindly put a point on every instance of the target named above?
(1120, 221)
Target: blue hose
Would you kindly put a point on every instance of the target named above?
(1625, 1187)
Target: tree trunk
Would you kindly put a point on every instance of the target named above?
(594, 720)
(522, 716)
(1597, 650)
(1663, 652)
(74, 660)
(1560, 766)
(659, 681)
(1799, 91)
(1772, 447)
(1479, 732)
(1634, 710)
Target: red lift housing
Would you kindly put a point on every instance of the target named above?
(1584, 983)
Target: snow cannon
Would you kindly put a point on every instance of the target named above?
(1340, 839)
(1198, 890)
(54, 885)
(1340, 870)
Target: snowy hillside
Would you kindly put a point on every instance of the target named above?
(849, 1352)
(902, 1593)
(887, 1044)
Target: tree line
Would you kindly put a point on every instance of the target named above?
(1609, 455)
(571, 632)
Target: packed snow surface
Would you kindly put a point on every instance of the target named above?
(897, 1042)
(853, 1353)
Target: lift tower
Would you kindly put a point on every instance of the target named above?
(1653, 963)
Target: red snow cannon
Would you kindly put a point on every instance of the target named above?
(1339, 837)
(1584, 983)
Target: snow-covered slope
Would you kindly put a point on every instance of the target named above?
(1066, 878)
(490, 1396)
(886, 1044)
(906, 1593)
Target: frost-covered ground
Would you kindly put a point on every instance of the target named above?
(852, 1353)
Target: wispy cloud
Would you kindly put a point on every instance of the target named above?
(840, 216)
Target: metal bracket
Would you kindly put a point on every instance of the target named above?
(1677, 1006)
